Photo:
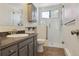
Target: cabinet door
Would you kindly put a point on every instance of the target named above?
(14, 54)
(35, 46)
(23, 51)
(0, 53)
(33, 13)
(30, 45)
(29, 13)
(9, 50)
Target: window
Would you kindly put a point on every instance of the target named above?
(45, 14)
(50, 14)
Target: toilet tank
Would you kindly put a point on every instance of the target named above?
(42, 32)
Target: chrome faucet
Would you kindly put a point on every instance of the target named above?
(13, 31)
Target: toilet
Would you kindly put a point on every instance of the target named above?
(41, 37)
(40, 43)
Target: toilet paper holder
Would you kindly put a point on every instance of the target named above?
(75, 32)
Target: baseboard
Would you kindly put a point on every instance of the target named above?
(67, 52)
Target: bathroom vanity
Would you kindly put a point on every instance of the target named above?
(19, 46)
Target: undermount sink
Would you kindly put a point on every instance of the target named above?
(18, 35)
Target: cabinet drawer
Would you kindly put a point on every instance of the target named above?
(10, 50)
(24, 43)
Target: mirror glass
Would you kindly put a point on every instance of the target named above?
(11, 14)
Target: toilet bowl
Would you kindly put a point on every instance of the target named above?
(40, 43)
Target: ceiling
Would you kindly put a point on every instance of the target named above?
(44, 4)
(16, 5)
(20, 5)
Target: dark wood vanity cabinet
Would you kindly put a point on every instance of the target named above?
(14, 54)
(23, 51)
(27, 50)
(30, 49)
(26, 47)
(10, 51)
(0, 53)
(35, 46)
